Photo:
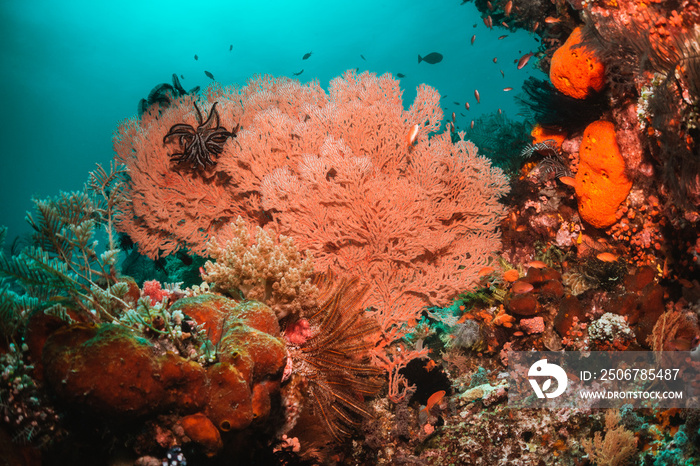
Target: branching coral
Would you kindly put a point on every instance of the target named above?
(274, 272)
(618, 446)
(63, 269)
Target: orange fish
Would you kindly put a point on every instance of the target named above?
(521, 287)
(506, 89)
(508, 7)
(567, 180)
(495, 59)
(466, 105)
(478, 97)
(473, 39)
(433, 400)
(453, 117)
(500, 111)
(518, 334)
(537, 265)
(511, 275)
(412, 135)
(472, 125)
(551, 20)
(521, 228)
(430, 365)
(524, 59)
(486, 271)
(502, 37)
(505, 25)
(686, 283)
(489, 5)
(607, 257)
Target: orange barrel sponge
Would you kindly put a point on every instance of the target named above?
(575, 71)
(601, 183)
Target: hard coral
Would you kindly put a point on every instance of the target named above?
(601, 182)
(575, 71)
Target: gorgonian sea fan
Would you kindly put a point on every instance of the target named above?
(335, 172)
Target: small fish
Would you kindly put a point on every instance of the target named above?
(196, 57)
(462, 114)
(478, 97)
(455, 102)
(297, 74)
(488, 21)
(551, 20)
(502, 37)
(466, 105)
(209, 75)
(537, 265)
(495, 59)
(607, 257)
(521, 287)
(473, 39)
(507, 89)
(511, 275)
(678, 344)
(400, 75)
(507, 9)
(182, 77)
(431, 58)
(537, 25)
(306, 56)
(524, 59)
(430, 365)
(472, 125)
(486, 271)
(505, 25)
(686, 283)
(567, 180)
(230, 47)
(518, 334)
(500, 112)
(363, 57)
(412, 135)
(489, 5)
(521, 228)
(502, 73)
(433, 400)
(453, 117)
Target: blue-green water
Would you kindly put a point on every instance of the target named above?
(71, 70)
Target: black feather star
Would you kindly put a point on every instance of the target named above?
(198, 146)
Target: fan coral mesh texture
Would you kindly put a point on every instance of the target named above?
(335, 172)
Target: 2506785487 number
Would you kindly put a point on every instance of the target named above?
(639, 374)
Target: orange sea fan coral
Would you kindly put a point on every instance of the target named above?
(334, 172)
